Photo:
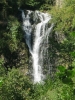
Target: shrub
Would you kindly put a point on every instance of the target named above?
(16, 86)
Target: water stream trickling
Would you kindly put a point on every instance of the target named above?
(41, 33)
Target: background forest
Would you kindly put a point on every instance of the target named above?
(15, 84)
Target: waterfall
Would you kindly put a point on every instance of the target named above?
(27, 28)
(40, 29)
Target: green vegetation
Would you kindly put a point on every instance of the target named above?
(16, 86)
(14, 83)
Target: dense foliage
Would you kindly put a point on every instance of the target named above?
(14, 83)
(16, 86)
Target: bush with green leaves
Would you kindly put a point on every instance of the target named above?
(14, 35)
(65, 76)
(64, 20)
(64, 17)
(2, 68)
(16, 86)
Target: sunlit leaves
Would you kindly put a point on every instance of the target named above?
(72, 54)
(32, 3)
(16, 85)
(1, 82)
(72, 35)
(61, 68)
(66, 75)
(64, 17)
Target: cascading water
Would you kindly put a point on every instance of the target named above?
(27, 28)
(41, 33)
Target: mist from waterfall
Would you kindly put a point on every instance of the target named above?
(41, 33)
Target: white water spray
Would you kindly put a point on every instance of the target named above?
(41, 34)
